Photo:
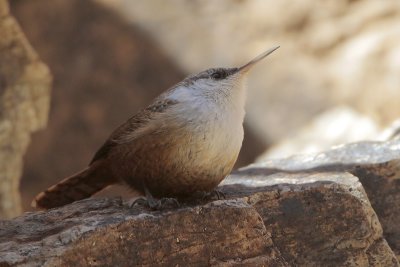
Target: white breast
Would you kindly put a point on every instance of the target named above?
(215, 123)
(216, 131)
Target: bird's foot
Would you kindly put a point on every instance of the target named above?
(156, 204)
(166, 202)
(214, 194)
(140, 201)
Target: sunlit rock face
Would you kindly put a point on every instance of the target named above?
(333, 127)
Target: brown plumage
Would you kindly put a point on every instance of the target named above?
(98, 174)
(79, 186)
(186, 141)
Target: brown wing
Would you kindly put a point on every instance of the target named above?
(131, 125)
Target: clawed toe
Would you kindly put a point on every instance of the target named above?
(140, 201)
(219, 194)
(170, 202)
(164, 203)
(155, 204)
(214, 194)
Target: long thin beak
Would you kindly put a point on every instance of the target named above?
(246, 67)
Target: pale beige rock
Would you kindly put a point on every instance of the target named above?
(24, 105)
(334, 127)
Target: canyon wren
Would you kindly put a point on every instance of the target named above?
(186, 141)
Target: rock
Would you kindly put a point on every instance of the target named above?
(376, 164)
(392, 132)
(382, 183)
(24, 104)
(308, 220)
(339, 125)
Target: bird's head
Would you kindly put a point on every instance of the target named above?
(217, 84)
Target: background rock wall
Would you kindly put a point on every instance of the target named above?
(24, 105)
(332, 52)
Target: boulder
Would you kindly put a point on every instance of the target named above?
(304, 219)
(376, 164)
(24, 104)
(338, 125)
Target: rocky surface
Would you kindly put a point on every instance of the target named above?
(24, 105)
(271, 220)
(333, 127)
(376, 164)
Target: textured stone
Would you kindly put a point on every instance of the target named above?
(24, 105)
(377, 164)
(278, 220)
(334, 127)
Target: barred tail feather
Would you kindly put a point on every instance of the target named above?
(76, 187)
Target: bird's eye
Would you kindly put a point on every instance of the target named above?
(218, 74)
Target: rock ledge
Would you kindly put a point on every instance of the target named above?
(302, 219)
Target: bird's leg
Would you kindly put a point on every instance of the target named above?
(168, 202)
(140, 201)
(201, 196)
(153, 203)
(214, 194)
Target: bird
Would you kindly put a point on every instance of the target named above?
(186, 141)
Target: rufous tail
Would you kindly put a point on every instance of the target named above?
(76, 187)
